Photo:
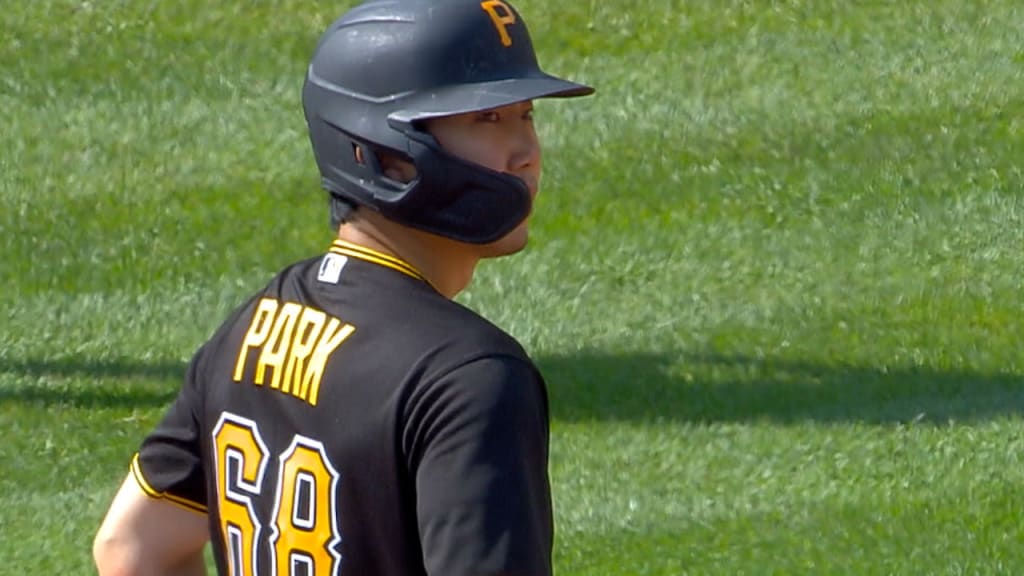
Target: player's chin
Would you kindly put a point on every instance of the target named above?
(510, 243)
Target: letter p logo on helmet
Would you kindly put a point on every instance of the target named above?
(502, 16)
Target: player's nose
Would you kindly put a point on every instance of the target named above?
(525, 150)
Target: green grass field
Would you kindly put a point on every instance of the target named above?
(775, 282)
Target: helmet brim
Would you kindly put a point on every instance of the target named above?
(465, 98)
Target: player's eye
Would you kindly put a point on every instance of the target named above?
(528, 114)
(489, 116)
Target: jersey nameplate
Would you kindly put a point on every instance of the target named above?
(294, 344)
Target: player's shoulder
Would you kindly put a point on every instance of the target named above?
(462, 328)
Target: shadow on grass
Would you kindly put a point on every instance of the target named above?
(83, 383)
(638, 387)
(711, 388)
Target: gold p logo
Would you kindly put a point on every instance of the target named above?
(502, 16)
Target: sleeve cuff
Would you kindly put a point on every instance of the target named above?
(140, 479)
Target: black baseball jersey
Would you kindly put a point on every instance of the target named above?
(351, 420)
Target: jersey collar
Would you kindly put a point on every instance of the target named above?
(370, 255)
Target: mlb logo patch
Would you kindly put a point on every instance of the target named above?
(330, 268)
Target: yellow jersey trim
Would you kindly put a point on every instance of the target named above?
(370, 255)
(140, 479)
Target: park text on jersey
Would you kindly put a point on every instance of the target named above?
(295, 343)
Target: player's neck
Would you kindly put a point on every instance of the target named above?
(447, 265)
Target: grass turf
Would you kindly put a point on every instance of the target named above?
(774, 280)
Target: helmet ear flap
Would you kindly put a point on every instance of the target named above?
(445, 195)
(351, 154)
(351, 166)
(459, 199)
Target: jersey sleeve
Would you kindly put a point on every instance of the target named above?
(168, 464)
(480, 456)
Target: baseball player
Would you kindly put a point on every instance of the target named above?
(351, 418)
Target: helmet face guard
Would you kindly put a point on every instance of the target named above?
(388, 65)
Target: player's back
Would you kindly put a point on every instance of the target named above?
(343, 409)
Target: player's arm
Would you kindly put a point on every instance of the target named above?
(479, 452)
(146, 536)
(157, 523)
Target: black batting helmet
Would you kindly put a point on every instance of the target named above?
(385, 66)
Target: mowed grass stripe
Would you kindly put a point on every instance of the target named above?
(813, 540)
(797, 499)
